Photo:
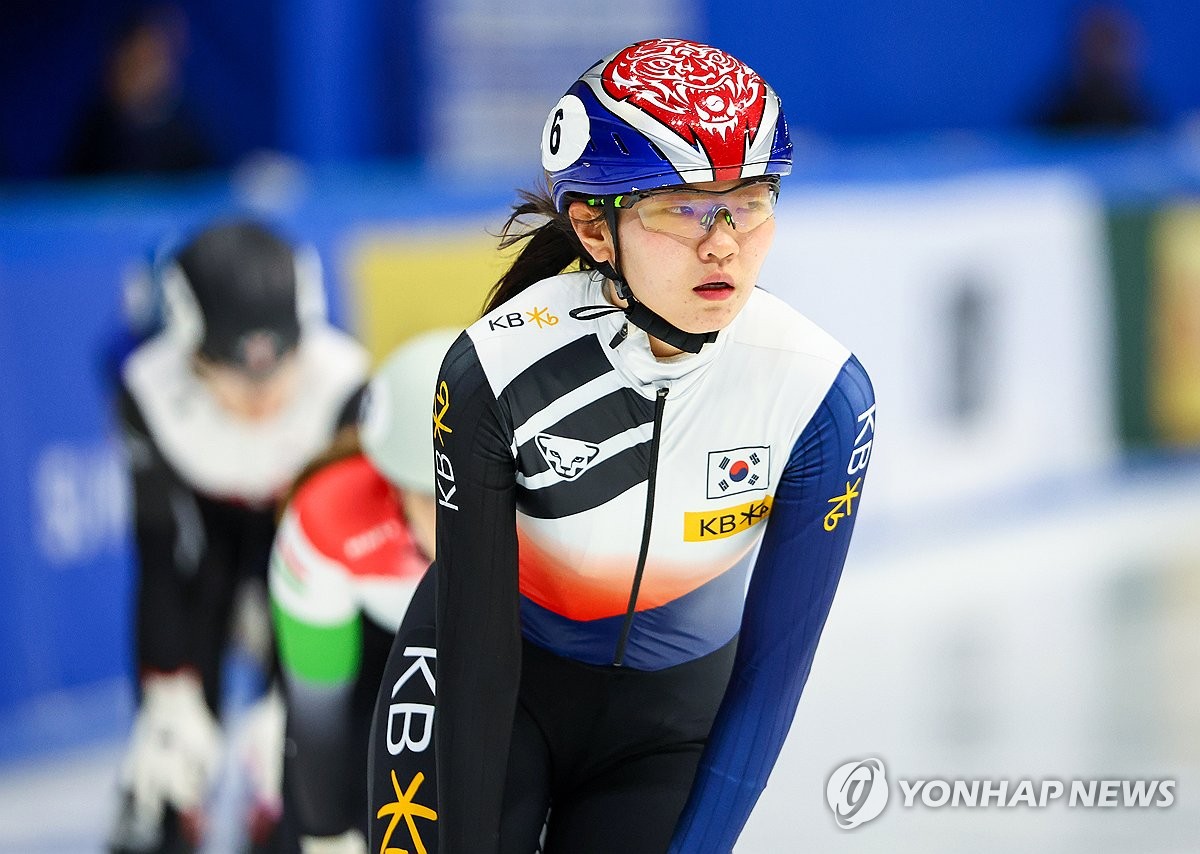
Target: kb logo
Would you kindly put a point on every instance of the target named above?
(857, 792)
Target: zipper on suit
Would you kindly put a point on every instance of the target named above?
(660, 403)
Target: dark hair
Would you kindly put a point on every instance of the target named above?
(549, 248)
(344, 444)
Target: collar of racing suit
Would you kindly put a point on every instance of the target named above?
(633, 359)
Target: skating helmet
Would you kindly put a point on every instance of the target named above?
(659, 113)
(240, 295)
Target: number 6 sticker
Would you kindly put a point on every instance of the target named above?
(565, 135)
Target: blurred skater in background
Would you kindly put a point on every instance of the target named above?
(244, 384)
(356, 537)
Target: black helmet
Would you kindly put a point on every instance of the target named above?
(239, 294)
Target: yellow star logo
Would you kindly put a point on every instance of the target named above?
(403, 807)
(441, 398)
(542, 317)
(843, 505)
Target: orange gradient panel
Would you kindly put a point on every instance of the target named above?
(601, 588)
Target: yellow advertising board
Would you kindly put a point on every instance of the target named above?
(402, 283)
(1175, 326)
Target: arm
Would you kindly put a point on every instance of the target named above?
(789, 598)
(174, 749)
(319, 635)
(478, 625)
(170, 541)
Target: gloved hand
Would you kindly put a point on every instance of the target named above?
(350, 842)
(173, 757)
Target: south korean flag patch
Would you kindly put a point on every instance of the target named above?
(738, 470)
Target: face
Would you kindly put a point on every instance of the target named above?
(245, 397)
(698, 284)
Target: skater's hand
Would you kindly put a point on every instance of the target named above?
(175, 751)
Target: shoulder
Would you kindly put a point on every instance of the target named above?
(769, 324)
(771, 337)
(344, 530)
(222, 455)
(527, 328)
(158, 367)
(332, 358)
(540, 307)
(158, 390)
(340, 501)
(853, 387)
(807, 365)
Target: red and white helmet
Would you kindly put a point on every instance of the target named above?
(659, 113)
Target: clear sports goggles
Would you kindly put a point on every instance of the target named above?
(692, 213)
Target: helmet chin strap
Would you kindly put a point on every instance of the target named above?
(638, 313)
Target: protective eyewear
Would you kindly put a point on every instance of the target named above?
(692, 213)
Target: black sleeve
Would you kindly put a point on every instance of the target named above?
(169, 540)
(478, 628)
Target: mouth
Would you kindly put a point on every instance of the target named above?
(714, 290)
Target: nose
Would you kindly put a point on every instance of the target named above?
(721, 240)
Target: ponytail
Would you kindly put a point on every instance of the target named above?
(549, 248)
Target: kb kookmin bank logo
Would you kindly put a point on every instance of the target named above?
(857, 792)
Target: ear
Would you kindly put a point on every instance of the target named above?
(592, 231)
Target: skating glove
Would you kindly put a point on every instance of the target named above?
(175, 751)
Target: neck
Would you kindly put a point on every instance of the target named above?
(661, 349)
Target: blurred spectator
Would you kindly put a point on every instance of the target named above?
(139, 123)
(219, 411)
(1103, 91)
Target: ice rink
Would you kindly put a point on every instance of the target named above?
(1062, 642)
(1053, 634)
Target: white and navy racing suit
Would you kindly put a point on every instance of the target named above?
(603, 508)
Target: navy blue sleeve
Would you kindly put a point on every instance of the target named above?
(791, 591)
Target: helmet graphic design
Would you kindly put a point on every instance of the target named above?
(664, 112)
